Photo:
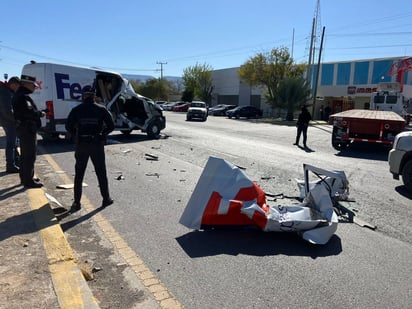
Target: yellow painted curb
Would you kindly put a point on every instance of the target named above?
(70, 286)
(159, 291)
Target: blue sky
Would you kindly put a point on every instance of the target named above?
(133, 37)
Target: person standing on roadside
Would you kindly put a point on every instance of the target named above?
(90, 123)
(302, 126)
(8, 123)
(27, 118)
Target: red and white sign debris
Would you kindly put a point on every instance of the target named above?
(225, 196)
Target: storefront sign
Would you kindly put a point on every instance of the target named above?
(360, 90)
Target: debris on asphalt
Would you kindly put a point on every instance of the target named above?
(267, 177)
(126, 151)
(120, 177)
(151, 157)
(69, 186)
(96, 269)
(225, 196)
(53, 199)
(153, 174)
(87, 271)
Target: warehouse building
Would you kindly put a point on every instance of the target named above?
(341, 85)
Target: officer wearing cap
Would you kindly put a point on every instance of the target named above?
(27, 118)
(7, 121)
(89, 123)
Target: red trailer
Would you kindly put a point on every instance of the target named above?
(365, 126)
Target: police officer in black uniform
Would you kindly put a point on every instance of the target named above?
(27, 118)
(90, 123)
(302, 126)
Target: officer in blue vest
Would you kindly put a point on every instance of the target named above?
(90, 123)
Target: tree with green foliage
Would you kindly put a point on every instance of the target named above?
(197, 79)
(187, 95)
(293, 93)
(269, 70)
(154, 88)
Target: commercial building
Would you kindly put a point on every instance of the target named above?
(341, 85)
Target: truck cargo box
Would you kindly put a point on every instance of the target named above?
(370, 126)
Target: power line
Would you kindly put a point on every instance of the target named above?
(73, 63)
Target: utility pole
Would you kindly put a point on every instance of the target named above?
(161, 68)
(317, 73)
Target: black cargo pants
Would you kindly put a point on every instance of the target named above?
(27, 135)
(94, 151)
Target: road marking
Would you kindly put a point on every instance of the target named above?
(71, 288)
(154, 286)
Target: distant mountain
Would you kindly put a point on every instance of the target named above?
(144, 78)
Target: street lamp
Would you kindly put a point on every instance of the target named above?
(6, 76)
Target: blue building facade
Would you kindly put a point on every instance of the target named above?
(341, 85)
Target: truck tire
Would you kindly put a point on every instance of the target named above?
(337, 144)
(153, 130)
(50, 137)
(407, 175)
(126, 132)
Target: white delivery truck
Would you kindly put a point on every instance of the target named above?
(60, 90)
(389, 97)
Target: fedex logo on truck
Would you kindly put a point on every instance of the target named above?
(63, 86)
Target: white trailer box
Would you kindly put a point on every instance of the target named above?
(60, 90)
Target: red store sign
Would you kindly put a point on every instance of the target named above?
(355, 90)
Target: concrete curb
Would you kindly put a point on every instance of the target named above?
(70, 286)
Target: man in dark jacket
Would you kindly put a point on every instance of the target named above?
(27, 118)
(302, 125)
(89, 123)
(7, 121)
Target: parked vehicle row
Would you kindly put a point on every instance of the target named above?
(231, 111)
(244, 111)
(220, 109)
(178, 106)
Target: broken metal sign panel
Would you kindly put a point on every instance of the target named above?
(224, 195)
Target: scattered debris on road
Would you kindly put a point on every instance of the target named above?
(151, 157)
(225, 196)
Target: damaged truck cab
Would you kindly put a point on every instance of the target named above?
(59, 90)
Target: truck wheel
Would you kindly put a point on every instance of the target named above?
(50, 137)
(407, 175)
(153, 130)
(337, 144)
(126, 132)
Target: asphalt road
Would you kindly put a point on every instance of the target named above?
(358, 268)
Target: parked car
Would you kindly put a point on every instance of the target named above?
(161, 103)
(400, 158)
(169, 106)
(197, 109)
(221, 111)
(244, 111)
(181, 107)
(211, 109)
